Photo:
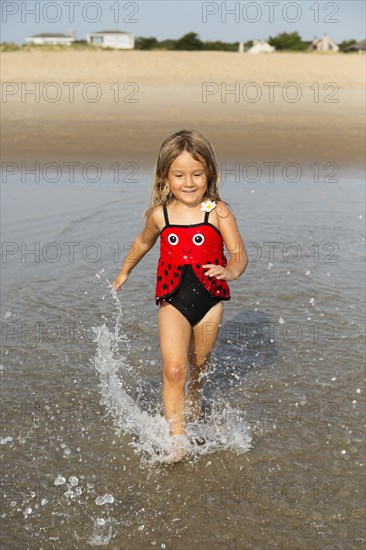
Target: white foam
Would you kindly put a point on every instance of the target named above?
(73, 480)
(102, 531)
(60, 480)
(5, 440)
(105, 499)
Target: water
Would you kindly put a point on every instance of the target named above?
(83, 429)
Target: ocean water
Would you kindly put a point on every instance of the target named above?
(83, 429)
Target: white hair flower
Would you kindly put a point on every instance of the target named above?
(207, 206)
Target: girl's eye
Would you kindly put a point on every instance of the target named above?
(173, 239)
(198, 239)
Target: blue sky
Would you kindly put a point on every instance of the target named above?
(229, 21)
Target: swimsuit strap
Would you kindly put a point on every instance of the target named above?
(165, 210)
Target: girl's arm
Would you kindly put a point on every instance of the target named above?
(234, 243)
(140, 246)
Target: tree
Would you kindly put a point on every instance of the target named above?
(346, 43)
(166, 45)
(221, 46)
(189, 41)
(288, 41)
(142, 43)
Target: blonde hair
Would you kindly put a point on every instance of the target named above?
(200, 149)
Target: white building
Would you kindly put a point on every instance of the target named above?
(52, 38)
(112, 39)
(261, 46)
(324, 44)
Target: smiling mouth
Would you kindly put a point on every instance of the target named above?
(192, 191)
(189, 251)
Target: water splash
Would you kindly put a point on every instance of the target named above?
(102, 531)
(149, 430)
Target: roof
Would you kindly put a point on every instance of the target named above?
(358, 46)
(51, 35)
(109, 32)
(325, 38)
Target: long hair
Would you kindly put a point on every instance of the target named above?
(200, 149)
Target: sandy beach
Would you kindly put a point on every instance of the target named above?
(118, 106)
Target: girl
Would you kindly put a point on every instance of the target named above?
(193, 272)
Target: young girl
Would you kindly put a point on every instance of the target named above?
(193, 273)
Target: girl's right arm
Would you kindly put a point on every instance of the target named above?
(140, 246)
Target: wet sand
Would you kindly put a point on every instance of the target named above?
(121, 105)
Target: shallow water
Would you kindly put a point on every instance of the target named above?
(83, 427)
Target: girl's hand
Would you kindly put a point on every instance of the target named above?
(119, 281)
(219, 272)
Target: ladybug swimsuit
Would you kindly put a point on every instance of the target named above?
(181, 280)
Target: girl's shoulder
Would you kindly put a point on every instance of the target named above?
(156, 215)
(223, 209)
(223, 212)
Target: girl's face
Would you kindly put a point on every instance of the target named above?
(187, 179)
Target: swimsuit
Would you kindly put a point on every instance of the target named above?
(181, 279)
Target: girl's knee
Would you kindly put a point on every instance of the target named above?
(175, 372)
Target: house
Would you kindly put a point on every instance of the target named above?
(324, 44)
(261, 46)
(52, 38)
(358, 47)
(112, 39)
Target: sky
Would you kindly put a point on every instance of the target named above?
(230, 21)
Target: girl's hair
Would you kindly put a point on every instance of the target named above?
(199, 148)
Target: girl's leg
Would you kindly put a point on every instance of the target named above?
(201, 345)
(174, 333)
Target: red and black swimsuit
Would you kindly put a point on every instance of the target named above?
(181, 279)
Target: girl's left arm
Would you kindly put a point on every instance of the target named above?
(238, 261)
